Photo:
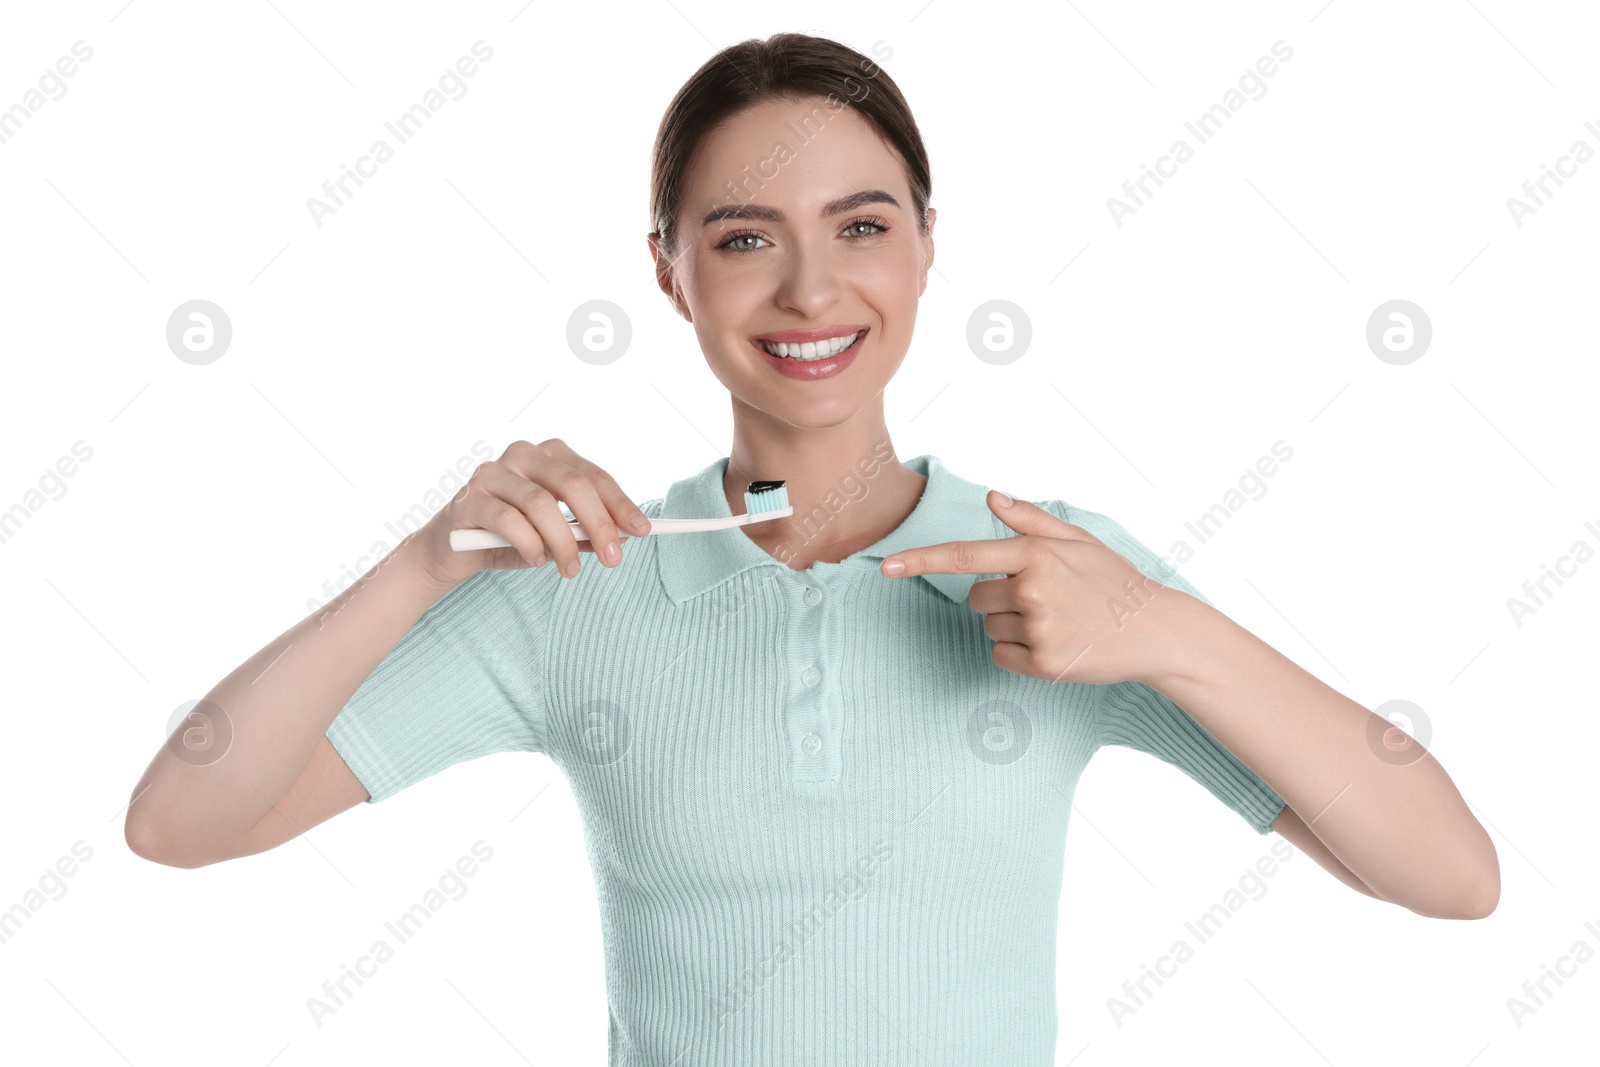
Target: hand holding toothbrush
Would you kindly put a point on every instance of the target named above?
(513, 506)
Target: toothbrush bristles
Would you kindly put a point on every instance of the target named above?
(765, 496)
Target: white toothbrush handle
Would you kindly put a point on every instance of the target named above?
(471, 539)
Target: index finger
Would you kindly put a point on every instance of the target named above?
(1002, 555)
(619, 504)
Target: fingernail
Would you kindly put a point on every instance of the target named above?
(613, 553)
(1005, 500)
(571, 569)
(541, 560)
(640, 523)
(894, 566)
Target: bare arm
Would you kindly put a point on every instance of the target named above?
(279, 774)
(324, 789)
(1312, 745)
(1296, 832)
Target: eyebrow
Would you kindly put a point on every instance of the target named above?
(763, 213)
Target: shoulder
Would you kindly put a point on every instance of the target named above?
(1103, 526)
(1121, 540)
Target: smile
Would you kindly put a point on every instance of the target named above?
(811, 354)
(810, 350)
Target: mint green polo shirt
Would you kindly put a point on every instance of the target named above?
(824, 827)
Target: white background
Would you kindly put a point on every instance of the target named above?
(430, 311)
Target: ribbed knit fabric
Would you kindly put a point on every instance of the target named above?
(824, 827)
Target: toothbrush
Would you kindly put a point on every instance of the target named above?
(762, 501)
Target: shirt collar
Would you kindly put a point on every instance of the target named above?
(951, 508)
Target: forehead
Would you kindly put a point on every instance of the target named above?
(799, 150)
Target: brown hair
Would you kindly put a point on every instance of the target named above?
(784, 66)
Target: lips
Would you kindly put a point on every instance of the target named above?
(816, 369)
(800, 337)
(805, 351)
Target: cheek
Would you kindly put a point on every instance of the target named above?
(900, 277)
(722, 290)
(895, 298)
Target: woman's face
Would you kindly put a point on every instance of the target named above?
(811, 233)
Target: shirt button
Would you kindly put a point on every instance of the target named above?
(810, 676)
(812, 744)
(813, 596)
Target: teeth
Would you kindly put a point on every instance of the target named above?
(813, 350)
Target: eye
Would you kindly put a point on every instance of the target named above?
(878, 224)
(741, 235)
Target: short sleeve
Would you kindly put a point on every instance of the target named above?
(465, 681)
(1136, 715)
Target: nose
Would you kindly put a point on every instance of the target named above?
(809, 282)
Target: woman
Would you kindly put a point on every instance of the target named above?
(825, 803)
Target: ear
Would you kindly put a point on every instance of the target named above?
(927, 252)
(664, 276)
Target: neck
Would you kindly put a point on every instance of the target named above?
(848, 488)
